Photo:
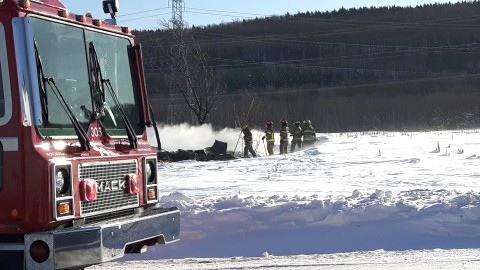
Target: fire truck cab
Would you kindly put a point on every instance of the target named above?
(78, 178)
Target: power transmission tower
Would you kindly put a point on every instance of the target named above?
(178, 110)
(177, 17)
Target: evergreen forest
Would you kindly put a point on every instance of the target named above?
(373, 68)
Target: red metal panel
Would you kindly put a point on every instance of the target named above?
(11, 197)
(52, 3)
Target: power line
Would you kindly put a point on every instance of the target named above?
(316, 63)
(214, 14)
(285, 38)
(332, 60)
(224, 11)
(397, 51)
(291, 90)
(142, 12)
(319, 63)
(145, 17)
(298, 19)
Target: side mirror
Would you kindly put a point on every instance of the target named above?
(136, 60)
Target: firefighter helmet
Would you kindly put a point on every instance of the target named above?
(283, 121)
(269, 123)
(297, 123)
(244, 126)
(307, 122)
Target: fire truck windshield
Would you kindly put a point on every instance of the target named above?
(64, 53)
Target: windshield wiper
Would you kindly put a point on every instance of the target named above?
(96, 86)
(41, 86)
(44, 81)
(132, 138)
(98, 93)
(155, 129)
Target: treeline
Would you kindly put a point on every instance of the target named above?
(389, 68)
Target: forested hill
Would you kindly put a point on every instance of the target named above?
(349, 69)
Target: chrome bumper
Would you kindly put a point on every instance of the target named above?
(89, 245)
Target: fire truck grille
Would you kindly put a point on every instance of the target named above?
(111, 193)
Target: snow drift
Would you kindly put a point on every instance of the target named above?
(350, 192)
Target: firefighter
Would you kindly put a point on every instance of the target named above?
(308, 133)
(248, 138)
(270, 136)
(297, 136)
(283, 136)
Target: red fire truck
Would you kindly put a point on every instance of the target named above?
(78, 178)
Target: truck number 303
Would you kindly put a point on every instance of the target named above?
(96, 132)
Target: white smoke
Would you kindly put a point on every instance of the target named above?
(186, 137)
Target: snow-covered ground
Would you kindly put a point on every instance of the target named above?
(465, 259)
(351, 192)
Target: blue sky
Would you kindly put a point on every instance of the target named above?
(145, 14)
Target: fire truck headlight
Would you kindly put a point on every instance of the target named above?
(150, 181)
(151, 171)
(62, 181)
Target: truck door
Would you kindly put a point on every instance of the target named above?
(10, 184)
(8, 135)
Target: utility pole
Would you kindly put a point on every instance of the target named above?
(178, 111)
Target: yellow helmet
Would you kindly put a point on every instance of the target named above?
(244, 126)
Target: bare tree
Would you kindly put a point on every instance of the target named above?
(191, 78)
